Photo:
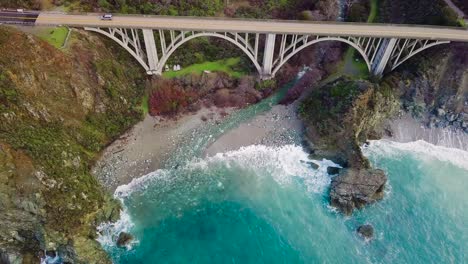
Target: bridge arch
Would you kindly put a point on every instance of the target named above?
(132, 44)
(278, 64)
(379, 53)
(409, 49)
(238, 41)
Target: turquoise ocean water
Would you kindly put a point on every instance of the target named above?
(269, 205)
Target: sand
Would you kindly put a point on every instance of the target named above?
(147, 146)
(274, 127)
(407, 129)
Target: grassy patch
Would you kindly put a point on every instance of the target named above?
(462, 22)
(374, 11)
(228, 66)
(144, 106)
(55, 36)
(353, 65)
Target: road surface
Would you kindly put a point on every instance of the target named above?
(254, 26)
(13, 17)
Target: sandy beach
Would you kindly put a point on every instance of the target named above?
(407, 129)
(273, 127)
(147, 146)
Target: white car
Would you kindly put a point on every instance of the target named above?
(106, 17)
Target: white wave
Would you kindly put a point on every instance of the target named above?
(108, 232)
(140, 183)
(282, 163)
(423, 150)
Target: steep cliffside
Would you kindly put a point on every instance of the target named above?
(339, 118)
(434, 87)
(58, 109)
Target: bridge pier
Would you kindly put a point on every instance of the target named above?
(268, 54)
(151, 52)
(383, 56)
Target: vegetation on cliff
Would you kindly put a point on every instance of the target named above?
(58, 109)
(342, 115)
(424, 12)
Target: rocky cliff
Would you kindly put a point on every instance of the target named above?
(434, 87)
(340, 117)
(58, 109)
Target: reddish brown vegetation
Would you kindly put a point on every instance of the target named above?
(310, 79)
(169, 98)
(172, 96)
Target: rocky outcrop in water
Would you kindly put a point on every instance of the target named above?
(357, 188)
(366, 231)
(124, 239)
(340, 117)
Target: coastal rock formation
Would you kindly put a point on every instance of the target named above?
(124, 239)
(339, 118)
(366, 231)
(434, 89)
(356, 188)
(57, 111)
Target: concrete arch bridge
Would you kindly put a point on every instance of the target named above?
(151, 40)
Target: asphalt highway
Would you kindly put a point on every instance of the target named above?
(13, 17)
(237, 25)
(256, 26)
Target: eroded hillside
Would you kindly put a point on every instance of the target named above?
(58, 109)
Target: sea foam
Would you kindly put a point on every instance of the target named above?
(283, 164)
(388, 148)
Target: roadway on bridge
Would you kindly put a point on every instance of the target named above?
(253, 26)
(257, 26)
(14, 17)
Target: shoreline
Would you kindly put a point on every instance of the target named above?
(279, 125)
(150, 143)
(406, 129)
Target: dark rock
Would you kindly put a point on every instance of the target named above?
(333, 170)
(124, 239)
(313, 165)
(355, 188)
(51, 253)
(451, 117)
(67, 253)
(366, 231)
(4, 259)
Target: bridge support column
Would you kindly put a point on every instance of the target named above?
(383, 56)
(268, 54)
(151, 52)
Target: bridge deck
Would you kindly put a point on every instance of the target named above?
(257, 26)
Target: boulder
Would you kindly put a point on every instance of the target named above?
(366, 231)
(355, 188)
(333, 170)
(440, 112)
(124, 239)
